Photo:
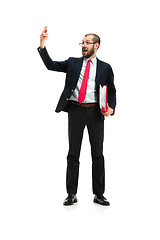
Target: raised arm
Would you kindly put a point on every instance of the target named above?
(49, 63)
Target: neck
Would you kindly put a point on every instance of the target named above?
(93, 56)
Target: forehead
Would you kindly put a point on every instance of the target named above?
(88, 38)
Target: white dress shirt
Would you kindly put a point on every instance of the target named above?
(91, 85)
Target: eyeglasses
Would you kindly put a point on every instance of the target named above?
(86, 43)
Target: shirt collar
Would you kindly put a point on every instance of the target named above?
(93, 60)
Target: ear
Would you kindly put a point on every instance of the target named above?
(96, 46)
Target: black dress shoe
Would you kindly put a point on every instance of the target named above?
(70, 200)
(100, 199)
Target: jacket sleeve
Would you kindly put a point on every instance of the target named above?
(50, 64)
(111, 89)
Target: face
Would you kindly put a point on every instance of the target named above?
(89, 50)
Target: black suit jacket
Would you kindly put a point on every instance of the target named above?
(72, 68)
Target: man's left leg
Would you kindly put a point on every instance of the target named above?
(95, 125)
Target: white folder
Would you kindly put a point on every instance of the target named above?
(103, 98)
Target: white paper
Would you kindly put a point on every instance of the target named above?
(102, 94)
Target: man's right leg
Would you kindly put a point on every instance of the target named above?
(76, 125)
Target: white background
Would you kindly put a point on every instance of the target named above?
(33, 137)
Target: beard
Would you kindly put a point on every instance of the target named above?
(87, 53)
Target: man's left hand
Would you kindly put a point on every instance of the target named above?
(109, 112)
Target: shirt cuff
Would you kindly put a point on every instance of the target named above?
(40, 49)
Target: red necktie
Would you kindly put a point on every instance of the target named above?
(82, 92)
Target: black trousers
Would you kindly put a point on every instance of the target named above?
(78, 118)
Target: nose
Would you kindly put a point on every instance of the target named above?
(84, 46)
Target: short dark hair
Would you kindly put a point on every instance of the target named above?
(96, 38)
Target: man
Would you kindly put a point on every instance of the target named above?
(80, 98)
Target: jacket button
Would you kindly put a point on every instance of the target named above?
(67, 99)
(72, 90)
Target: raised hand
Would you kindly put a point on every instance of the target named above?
(43, 37)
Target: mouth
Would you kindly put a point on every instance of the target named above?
(84, 50)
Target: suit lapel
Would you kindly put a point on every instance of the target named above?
(78, 67)
(98, 71)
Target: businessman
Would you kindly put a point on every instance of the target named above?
(80, 98)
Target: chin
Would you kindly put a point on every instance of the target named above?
(86, 55)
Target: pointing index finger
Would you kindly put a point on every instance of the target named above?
(45, 29)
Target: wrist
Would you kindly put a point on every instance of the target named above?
(41, 46)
